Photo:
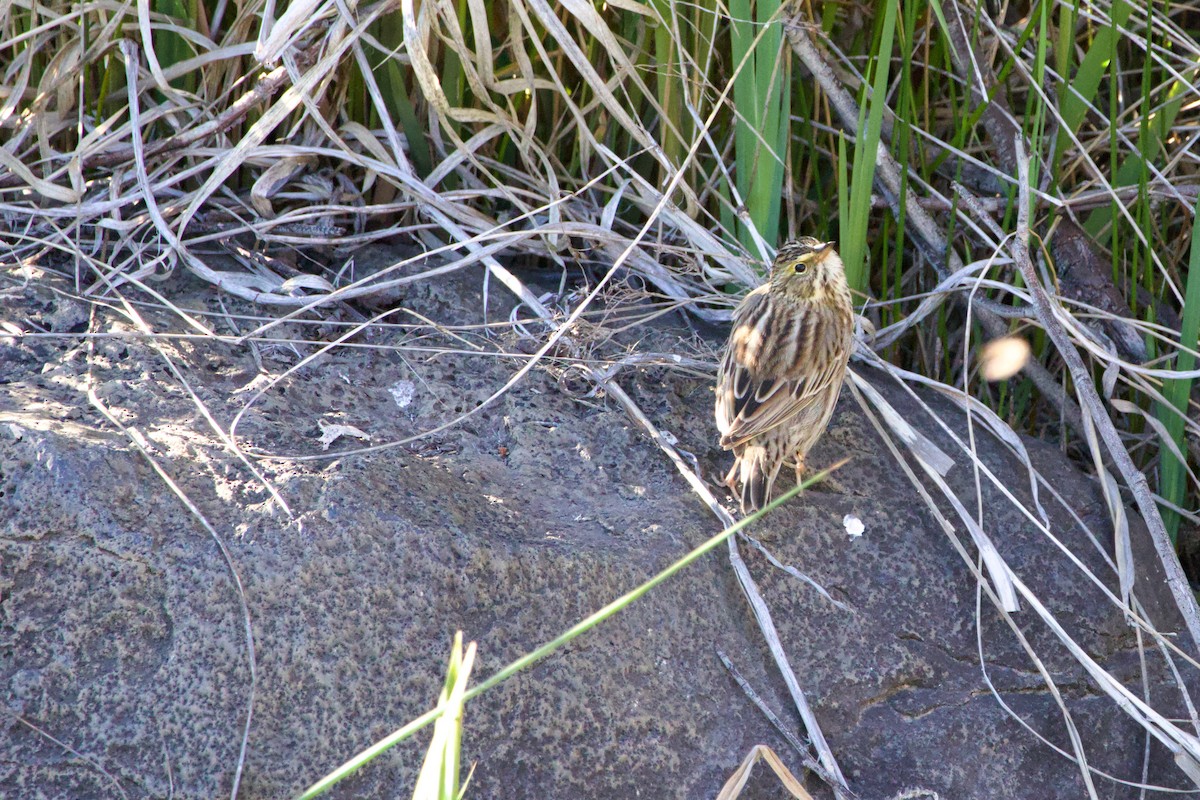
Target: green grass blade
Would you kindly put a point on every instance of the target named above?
(170, 47)
(1073, 102)
(843, 181)
(762, 95)
(439, 776)
(393, 81)
(674, 127)
(1173, 475)
(852, 241)
(580, 628)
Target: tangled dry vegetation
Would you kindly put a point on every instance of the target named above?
(1026, 169)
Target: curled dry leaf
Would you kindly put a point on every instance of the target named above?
(331, 433)
(275, 178)
(741, 776)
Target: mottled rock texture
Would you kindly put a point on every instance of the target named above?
(121, 632)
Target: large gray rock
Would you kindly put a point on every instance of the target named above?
(121, 633)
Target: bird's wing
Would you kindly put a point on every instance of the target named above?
(769, 373)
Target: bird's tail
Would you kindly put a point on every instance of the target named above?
(752, 477)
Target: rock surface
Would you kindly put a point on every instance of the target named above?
(122, 634)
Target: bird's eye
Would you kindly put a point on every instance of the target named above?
(801, 267)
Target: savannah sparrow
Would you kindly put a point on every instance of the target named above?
(783, 367)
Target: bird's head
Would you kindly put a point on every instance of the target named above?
(807, 268)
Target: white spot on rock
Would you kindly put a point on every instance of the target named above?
(854, 526)
(403, 392)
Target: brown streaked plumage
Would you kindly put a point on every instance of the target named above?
(783, 367)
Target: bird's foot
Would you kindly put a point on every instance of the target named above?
(829, 483)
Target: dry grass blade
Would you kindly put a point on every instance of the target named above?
(86, 759)
(927, 232)
(935, 464)
(1134, 478)
(759, 606)
(741, 776)
(139, 443)
(599, 140)
(1182, 744)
